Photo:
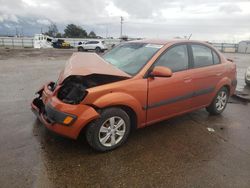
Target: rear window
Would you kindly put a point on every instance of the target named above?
(202, 55)
(92, 42)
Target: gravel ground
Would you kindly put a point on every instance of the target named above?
(179, 152)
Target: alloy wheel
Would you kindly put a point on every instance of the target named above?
(221, 100)
(112, 131)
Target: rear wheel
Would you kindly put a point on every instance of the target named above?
(98, 50)
(219, 103)
(247, 82)
(109, 131)
(80, 49)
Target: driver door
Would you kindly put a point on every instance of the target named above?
(170, 96)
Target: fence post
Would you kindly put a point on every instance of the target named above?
(12, 43)
(3, 42)
(22, 43)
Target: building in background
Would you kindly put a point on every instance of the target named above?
(244, 46)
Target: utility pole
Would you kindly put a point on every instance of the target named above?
(16, 33)
(107, 31)
(122, 19)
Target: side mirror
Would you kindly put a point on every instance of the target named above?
(160, 71)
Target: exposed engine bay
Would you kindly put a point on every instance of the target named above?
(73, 88)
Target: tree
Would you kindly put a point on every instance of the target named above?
(58, 35)
(92, 34)
(52, 30)
(75, 31)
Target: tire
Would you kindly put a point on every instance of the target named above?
(98, 50)
(102, 134)
(219, 102)
(80, 49)
(247, 82)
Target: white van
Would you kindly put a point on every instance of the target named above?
(42, 41)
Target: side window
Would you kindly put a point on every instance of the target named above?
(176, 58)
(202, 56)
(216, 58)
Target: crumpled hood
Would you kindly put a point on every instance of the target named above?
(84, 64)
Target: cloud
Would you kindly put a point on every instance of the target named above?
(230, 8)
(44, 22)
(211, 19)
(10, 17)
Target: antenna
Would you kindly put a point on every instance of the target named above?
(190, 36)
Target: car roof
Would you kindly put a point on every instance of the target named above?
(164, 42)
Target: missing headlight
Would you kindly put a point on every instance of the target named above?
(73, 88)
(72, 92)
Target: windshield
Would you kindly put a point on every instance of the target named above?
(131, 57)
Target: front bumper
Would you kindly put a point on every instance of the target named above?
(52, 113)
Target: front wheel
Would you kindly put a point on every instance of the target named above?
(219, 103)
(247, 82)
(109, 131)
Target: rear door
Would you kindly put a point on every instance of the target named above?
(93, 44)
(87, 45)
(170, 96)
(207, 72)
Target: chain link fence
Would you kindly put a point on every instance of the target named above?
(14, 42)
(27, 42)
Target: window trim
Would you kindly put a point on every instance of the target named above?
(214, 52)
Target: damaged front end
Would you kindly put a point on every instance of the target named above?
(59, 104)
(74, 88)
(53, 98)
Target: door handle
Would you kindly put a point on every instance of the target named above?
(218, 74)
(187, 79)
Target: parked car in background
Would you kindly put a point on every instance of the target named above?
(82, 42)
(134, 85)
(95, 45)
(247, 76)
(60, 43)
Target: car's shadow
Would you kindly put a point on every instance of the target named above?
(170, 144)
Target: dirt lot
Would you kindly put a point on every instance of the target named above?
(180, 152)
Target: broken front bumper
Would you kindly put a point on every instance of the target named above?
(64, 119)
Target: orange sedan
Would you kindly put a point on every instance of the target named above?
(132, 86)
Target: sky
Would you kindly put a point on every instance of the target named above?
(213, 20)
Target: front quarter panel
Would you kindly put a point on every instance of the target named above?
(130, 93)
